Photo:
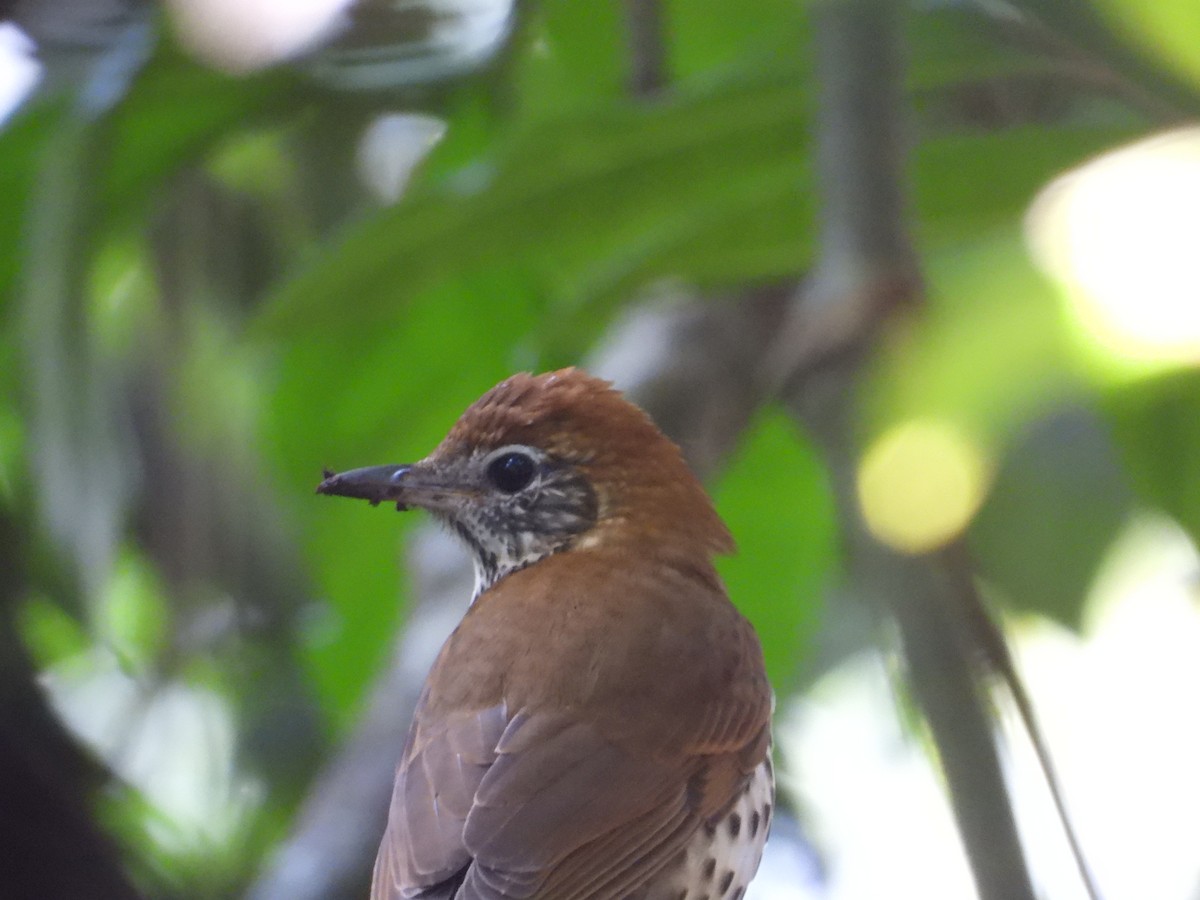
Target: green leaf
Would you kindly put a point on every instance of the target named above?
(573, 57)
(1059, 500)
(959, 43)
(706, 41)
(174, 111)
(49, 632)
(706, 186)
(1167, 31)
(776, 499)
(969, 185)
(584, 205)
(134, 616)
(1158, 430)
(1143, 43)
(21, 145)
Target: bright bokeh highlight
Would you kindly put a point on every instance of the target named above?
(392, 147)
(877, 810)
(174, 742)
(19, 69)
(1119, 235)
(1117, 708)
(243, 35)
(920, 483)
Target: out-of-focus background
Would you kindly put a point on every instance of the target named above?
(916, 287)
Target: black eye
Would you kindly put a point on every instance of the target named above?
(511, 472)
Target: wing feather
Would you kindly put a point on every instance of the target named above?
(508, 790)
(560, 812)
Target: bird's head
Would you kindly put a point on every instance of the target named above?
(543, 463)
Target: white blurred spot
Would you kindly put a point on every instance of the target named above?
(1121, 235)
(175, 744)
(243, 35)
(877, 809)
(19, 69)
(392, 147)
(1118, 710)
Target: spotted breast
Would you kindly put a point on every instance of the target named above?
(721, 859)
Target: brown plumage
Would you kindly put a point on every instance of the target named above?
(598, 724)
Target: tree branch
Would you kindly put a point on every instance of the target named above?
(865, 269)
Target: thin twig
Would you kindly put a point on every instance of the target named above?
(646, 31)
(986, 635)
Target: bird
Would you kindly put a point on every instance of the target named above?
(597, 726)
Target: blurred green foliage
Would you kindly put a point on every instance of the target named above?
(251, 315)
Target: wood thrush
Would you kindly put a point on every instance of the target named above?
(598, 724)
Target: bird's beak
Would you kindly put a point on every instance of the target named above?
(406, 486)
(374, 484)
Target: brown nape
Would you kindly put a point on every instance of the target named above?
(639, 475)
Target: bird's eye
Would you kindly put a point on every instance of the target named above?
(511, 472)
